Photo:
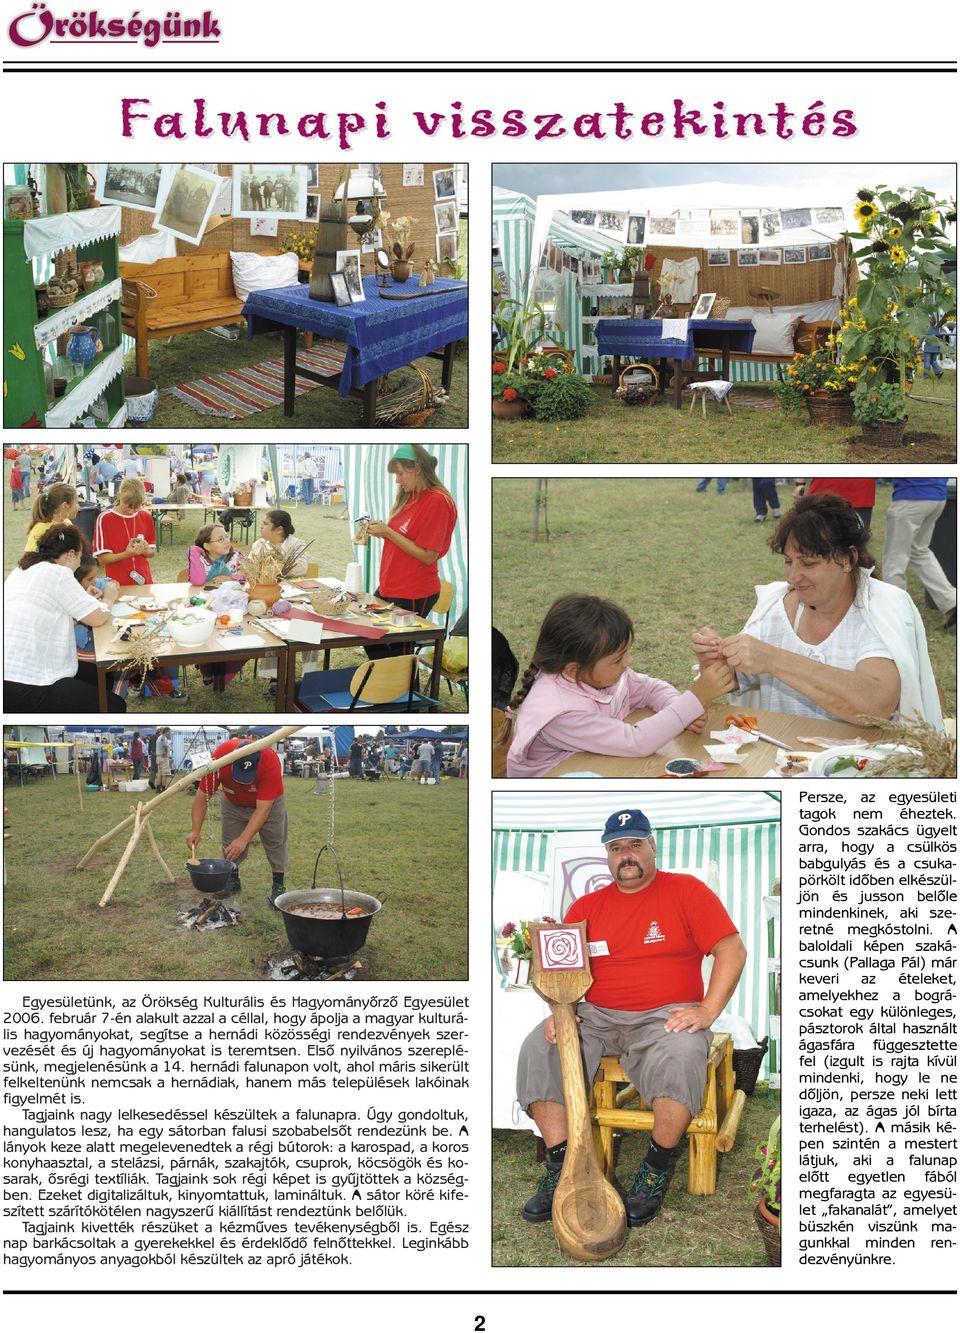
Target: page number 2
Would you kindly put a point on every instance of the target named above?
(479, 1323)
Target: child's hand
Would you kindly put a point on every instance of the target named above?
(697, 725)
(706, 645)
(716, 678)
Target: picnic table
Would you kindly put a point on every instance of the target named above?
(757, 758)
(643, 340)
(381, 334)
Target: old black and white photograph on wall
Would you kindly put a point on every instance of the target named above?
(133, 184)
(270, 190)
(185, 201)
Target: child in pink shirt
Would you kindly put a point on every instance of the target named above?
(579, 688)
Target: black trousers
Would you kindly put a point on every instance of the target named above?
(422, 606)
(72, 694)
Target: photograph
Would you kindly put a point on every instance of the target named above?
(447, 216)
(767, 256)
(185, 201)
(341, 292)
(747, 258)
(350, 264)
(750, 228)
(724, 224)
(133, 184)
(225, 884)
(663, 226)
(445, 183)
(815, 252)
(792, 219)
(412, 174)
(447, 245)
(794, 254)
(269, 189)
(584, 217)
(593, 888)
(313, 175)
(704, 305)
(615, 222)
(770, 223)
(825, 215)
(636, 228)
(312, 208)
(718, 258)
(710, 603)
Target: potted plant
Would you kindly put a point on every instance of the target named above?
(765, 1188)
(511, 392)
(630, 261)
(816, 381)
(611, 261)
(907, 269)
(517, 937)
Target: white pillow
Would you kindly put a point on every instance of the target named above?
(256, 273)
(775, 332)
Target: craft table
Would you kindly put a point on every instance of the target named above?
(642, 340)
(381, 334)
(172, 654)
(423, 632)
(757, 757)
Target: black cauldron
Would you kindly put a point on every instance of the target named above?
(328, 937)
(212, 875)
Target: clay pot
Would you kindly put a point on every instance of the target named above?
(264, 592)
(401, 270)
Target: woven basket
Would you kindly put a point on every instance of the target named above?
(639, 395)
(834, 410)
(769, 1233)
(60, 301)
(720, 307)
(410, 405)
(746, 1066)
(884, 433)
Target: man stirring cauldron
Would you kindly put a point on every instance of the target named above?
(648, 932)
(251, 802)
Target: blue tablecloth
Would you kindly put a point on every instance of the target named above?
(383, 335)
(643, 338)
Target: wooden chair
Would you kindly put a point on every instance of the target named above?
(384, 682)
(712, 1130)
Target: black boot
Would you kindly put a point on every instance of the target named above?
(539, 1207)
(646, 1198)
(276, 888)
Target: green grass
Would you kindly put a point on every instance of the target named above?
(54, 930)
(330, 536)
(674, 558)
(184, 358)
(716, 1231)
(613, 433)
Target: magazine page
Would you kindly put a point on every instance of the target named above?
(639, 988)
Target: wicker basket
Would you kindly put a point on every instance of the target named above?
(884, 433)
(638, 395)
(58, 300)
(746, 1066)
(410, 405)
(835, 409)
(720, 307)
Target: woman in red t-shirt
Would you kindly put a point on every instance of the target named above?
(417, 534)
(125, 540)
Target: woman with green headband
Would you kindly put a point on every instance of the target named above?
(416, 535)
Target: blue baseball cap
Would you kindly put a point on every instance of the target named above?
(245, 770)
(626, 824)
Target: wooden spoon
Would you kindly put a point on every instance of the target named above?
(589, 1219)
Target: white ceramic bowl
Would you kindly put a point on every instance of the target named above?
(191, 627)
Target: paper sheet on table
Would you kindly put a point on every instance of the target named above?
(724, 754)
(733, 736)
(240, 640)
(304, 631)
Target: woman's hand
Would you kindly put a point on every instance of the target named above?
(376, 529)
(706, 644)
(751, 656)
(716, 678)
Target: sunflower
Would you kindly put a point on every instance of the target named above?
(866, 195)
(894, 233)
(865, 212)
(898, 254)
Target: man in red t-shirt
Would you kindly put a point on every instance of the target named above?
(251, 803)
(648, 933)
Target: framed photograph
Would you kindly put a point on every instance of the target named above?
(704, 305)
(273, 190)
(584, 217)
(636, 228)
(133, 184)
(792, 219)
(794, 254)
(372, 241)
(768, 256)
(828, 214)
(816, 253)
(341, 292)
(447, 245)
(663, 226)
(718, 259)
(770, 224)
(312, 208)
(185, 201)
(724, 224)
(616, 222)
(348, 263)
(412, 173)
(313, 175)
(750, 228)
(447, 216)
(748, 258)
(445, 183)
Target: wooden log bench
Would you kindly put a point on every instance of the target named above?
(713, 1130)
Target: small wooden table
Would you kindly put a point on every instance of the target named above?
(172, 654)
(757, 757)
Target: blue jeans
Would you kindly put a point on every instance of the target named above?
(764, 493)
(306, 490)
(26, 483)
(931, 364)
(705, 484)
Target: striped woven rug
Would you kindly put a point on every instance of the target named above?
(249, 389)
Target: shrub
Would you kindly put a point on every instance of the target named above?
(563, 399)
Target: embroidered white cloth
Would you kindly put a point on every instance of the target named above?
(675, 329)
(686, 272)
(71, 406)
(718, 389)
(62, 231)
(62, 320)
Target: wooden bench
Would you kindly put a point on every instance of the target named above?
(180, 295)
(806, 339)
(713, 1130)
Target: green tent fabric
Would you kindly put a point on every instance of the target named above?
(370, 489)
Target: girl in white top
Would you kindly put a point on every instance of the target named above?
(42, 603)
(824, 643)
(276, 537)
